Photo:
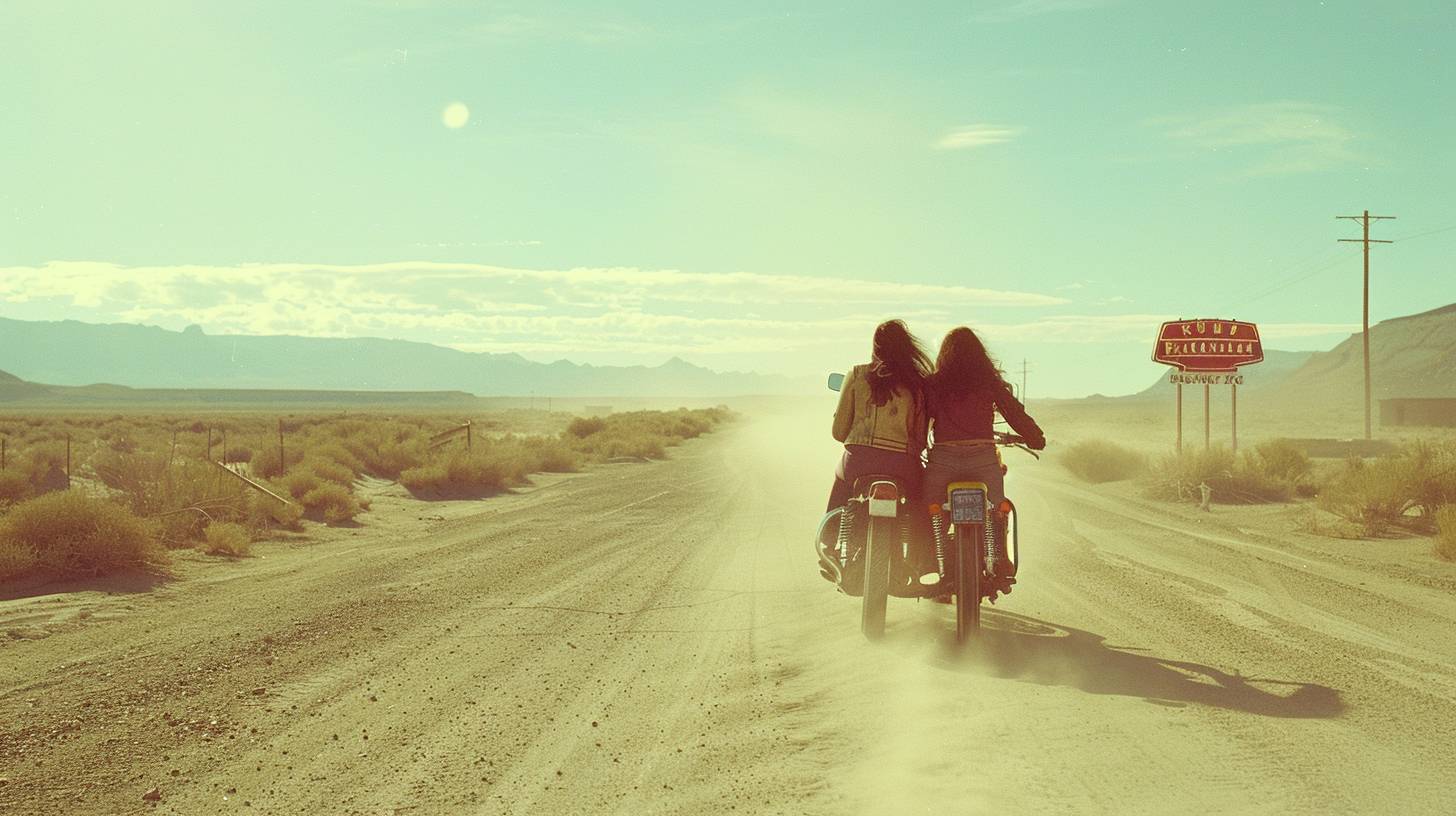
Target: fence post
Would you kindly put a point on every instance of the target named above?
(68, 460)
(2, 453)
(209, 443)
(467, 434)
(282, 462)
(224, 445)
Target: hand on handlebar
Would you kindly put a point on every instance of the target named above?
(1031, 446)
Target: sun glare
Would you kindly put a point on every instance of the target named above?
(455, 115)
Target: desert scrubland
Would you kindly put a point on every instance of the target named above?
(651, 637)
(84, 495)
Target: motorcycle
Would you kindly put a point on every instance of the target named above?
(870, 546)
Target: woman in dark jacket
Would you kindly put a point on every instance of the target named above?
(965, 393)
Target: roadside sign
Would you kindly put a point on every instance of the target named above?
(1208, 345)
(1208, 352)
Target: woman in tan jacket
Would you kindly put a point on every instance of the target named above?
(882, 417)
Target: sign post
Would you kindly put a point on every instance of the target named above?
(1208, 352)
(1180, 417)
(1234, 412)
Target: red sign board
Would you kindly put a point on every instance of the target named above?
(1208, 345)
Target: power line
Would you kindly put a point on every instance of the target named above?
(1288, 282)
(1405, 238)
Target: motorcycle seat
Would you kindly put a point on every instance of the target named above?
(862, 484)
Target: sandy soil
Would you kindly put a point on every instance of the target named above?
(654, 639)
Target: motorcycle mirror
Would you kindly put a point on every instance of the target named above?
(836, 381)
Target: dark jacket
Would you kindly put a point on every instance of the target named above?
(972, 416)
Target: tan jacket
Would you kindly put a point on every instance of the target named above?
(898, 425)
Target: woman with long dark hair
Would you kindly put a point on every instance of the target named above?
(965, 394)
(881, 418)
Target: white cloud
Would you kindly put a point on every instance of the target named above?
(1268, 138)
(581, 313)
(979, 135)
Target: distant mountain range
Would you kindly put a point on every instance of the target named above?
(1412, 356)
(71, 353)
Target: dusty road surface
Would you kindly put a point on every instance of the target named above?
(654, 639)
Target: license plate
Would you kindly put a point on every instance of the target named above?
(967, 506)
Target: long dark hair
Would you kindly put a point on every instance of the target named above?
(899, 361)
(964, 367)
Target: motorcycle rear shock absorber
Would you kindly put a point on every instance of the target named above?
(937, 527)
(990, 528)
(846, 522)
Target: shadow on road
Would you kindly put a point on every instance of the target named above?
(120, 583)
(1023, 648)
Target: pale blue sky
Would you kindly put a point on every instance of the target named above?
(751, 178)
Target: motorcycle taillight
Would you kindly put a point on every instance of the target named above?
(884, 491)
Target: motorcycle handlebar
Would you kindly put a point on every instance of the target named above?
(1015, 441)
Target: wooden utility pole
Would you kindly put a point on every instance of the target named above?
(1365, 239)
(1023, 379)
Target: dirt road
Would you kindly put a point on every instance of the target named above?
(654, 639)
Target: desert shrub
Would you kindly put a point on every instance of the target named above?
(1406, 489)
(1102, 461)
(267, 464)
(1373, 494)
(15, 560)
(236, 454)
(299, 483)
(15, 486)
(337, 453)
(582, 427)
(180, 495)
(1445, 543)
(463, 473)
(332, 502)
(555, 456)
(1430, 476)
(390, 459)
(329, 470)
(226, 538)
(1233, 479)
(639, 434)
(71, 532)
(1282, 459)
(264, 513)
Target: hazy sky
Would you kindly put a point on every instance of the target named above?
(743, 187)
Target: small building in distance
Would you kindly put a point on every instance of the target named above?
(1428, 411)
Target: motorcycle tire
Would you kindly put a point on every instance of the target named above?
(877, 576)
(969, 557)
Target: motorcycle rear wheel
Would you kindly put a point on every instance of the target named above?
(876, 576)
(969, 556)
